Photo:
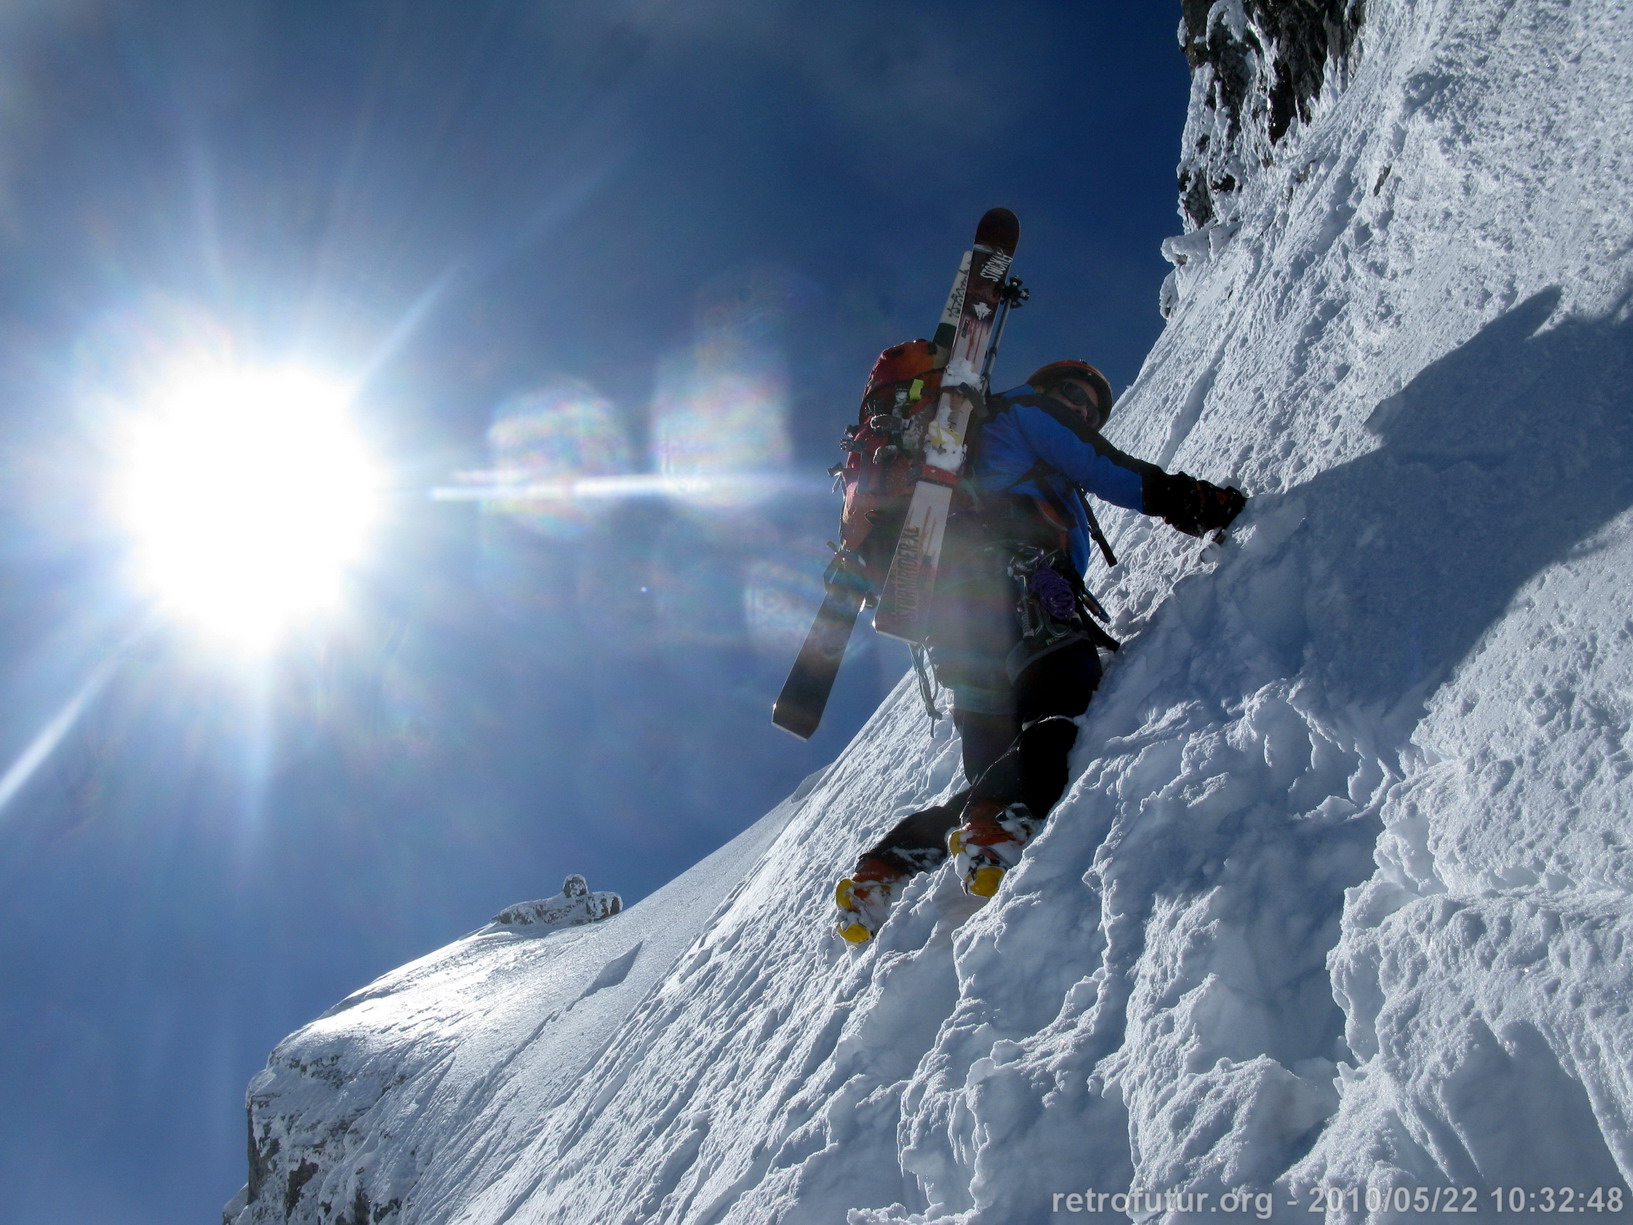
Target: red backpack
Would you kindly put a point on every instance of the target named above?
(886, 447)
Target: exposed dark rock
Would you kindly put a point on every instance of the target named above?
(298, 1178)
(1258, 65)
(364, 1212)
(260, 1161)
(1234, 61)
(1195, 200)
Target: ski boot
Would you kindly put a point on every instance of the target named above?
(989, 843)
(863, 899)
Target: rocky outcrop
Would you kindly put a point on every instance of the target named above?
(1257, 67)
(573, 906)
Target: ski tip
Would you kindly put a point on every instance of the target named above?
(999, 228)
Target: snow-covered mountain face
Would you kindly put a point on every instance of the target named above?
(1334, 919)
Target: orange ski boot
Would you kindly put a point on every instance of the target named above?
(863, 899)
(989, 844)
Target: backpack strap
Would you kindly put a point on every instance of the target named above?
(926, 680)
(1096, 533)
(1098, 536)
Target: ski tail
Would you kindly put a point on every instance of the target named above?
(804, 697)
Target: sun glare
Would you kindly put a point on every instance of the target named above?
(250, 493)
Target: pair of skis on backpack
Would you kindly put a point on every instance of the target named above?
(907, 447)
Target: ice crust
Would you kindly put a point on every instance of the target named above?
(1338, 900)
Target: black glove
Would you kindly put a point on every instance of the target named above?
(1189, 505)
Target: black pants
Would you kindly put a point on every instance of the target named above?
(1018, 755)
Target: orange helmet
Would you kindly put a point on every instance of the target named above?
(1045, 377)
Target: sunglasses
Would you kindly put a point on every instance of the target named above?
(1076, 395)
(1080, 397)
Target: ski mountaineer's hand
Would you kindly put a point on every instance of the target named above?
(1192, 506)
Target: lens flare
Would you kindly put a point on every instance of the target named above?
(553, 451)
(713, 425)
(778, 599)
(695, 574)
(720, 412)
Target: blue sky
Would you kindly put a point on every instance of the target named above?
(611, 237)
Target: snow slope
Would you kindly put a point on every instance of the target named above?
(1336, 910)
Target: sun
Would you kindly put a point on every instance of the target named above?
(250, 493)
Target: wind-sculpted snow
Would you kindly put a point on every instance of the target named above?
(1336, 911)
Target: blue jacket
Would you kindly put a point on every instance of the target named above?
(1031, 445)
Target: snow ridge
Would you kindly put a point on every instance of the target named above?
(1336, 910)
